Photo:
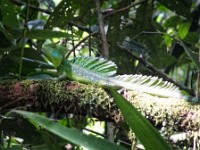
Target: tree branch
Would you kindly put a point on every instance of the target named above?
(155, 70)
(66, 97)
(79, 43)
(105, 51)
(125, 8)
(56, 97)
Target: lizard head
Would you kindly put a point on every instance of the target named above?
(54, 54)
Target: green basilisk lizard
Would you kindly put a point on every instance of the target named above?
(96, 70)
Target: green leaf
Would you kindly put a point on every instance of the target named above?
(158, 52)
(192, 38)
(50, 141)
(193, 57)
(14, 147)
(136, 48)
(172, 21)
(143, 130)
(5, 32)
(40, 34)
(9, 17)
(180, 7)
(117, 34)
(70, 134)
(45, 34)
(62, 14)
(10, 48)
(183, 29)
(23, 131)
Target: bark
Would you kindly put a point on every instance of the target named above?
(58, 97)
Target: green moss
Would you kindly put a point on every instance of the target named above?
(68, 94)
(170, 116)
(65, 95)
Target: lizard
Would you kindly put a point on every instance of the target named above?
(95, 70)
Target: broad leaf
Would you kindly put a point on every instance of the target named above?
(62, 14)
(143, 130)
(8, 14)
(136, 48)
(192, 37)
(70, 134)
(5, 32)
(180, 7)
(183, 29)
(46, 34)
(158, 52)
(172, 21)
(10, 48)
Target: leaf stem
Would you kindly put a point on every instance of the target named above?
(23, 40)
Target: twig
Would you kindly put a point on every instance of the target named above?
(90, 37)
(105, 51)
(79, 43)
(123, 142)
(10, 103)
(125, 8)
(86, 129)
(37, 61)
(71, 23)
(157, 32)
(152, 68)
(23, 40)
(73, 40)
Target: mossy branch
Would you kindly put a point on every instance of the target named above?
(63, 97)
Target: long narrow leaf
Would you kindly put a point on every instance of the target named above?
(143, 130)
(8, 14)
(45, 34)
(72, 135)
(191, 55)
